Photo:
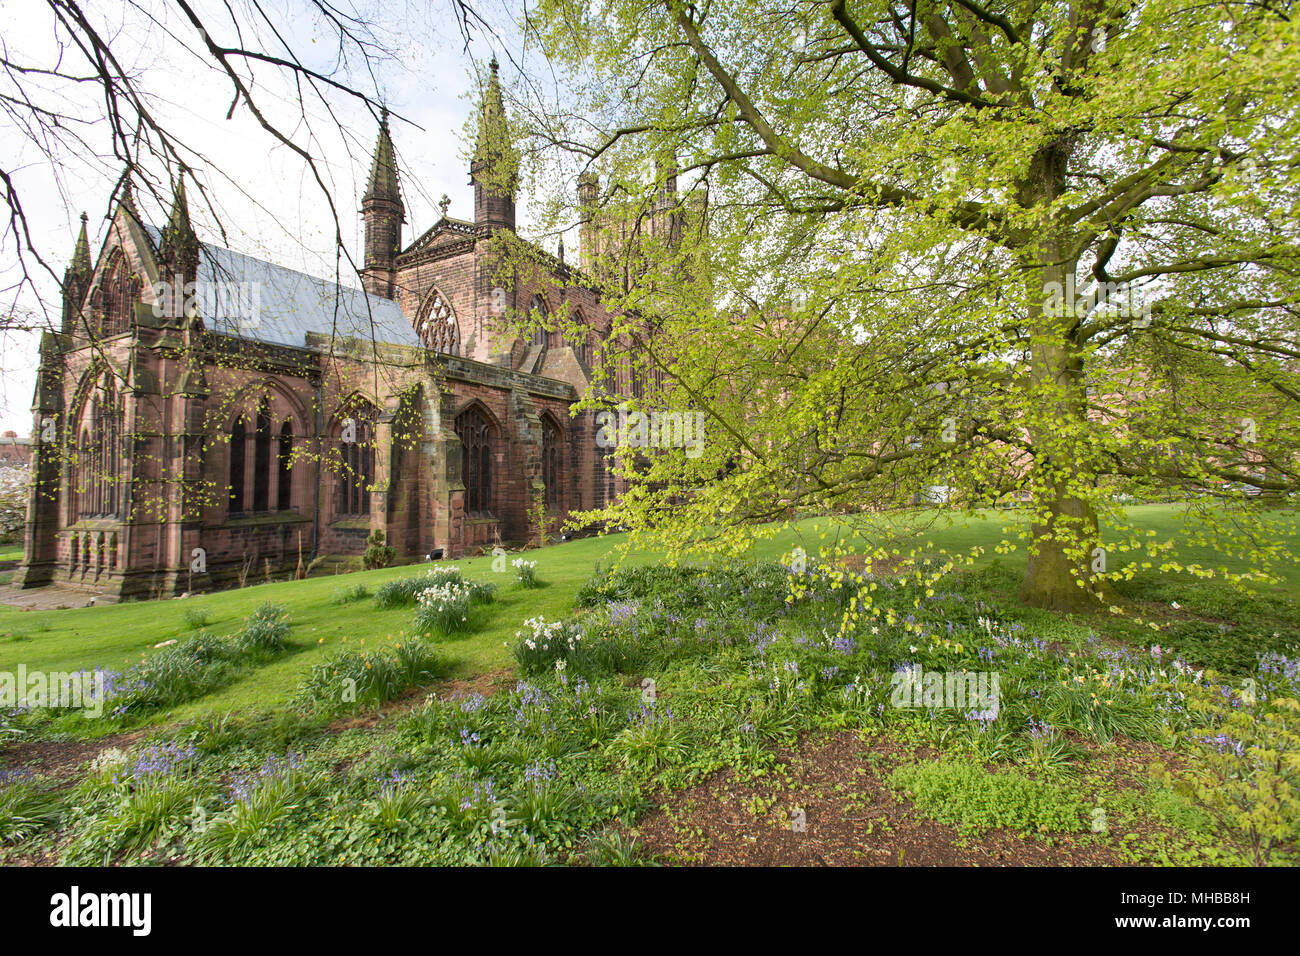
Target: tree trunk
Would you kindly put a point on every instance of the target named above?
(1052, 578)
(1062, 558)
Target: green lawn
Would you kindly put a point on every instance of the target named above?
(118, 635)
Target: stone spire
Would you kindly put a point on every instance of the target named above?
(495, 169)
(179, 247)
(76, 280)
(382, 209)
(81, 254)
(383, 167)
(125, 194)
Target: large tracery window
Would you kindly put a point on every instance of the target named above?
(437, 325)
(355, 438)
(270, 477)
(552, 458)
(118, 290)
(476, 433)
(98, 462)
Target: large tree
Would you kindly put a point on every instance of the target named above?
(1047, 247)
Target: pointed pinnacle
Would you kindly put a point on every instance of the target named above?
(81, 255)
(125, 194)
(382, 183)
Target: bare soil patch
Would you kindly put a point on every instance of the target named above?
(60, 760)
(851, 818)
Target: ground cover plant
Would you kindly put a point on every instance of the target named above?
(1106, 744)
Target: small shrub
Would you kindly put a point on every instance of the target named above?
(377, 553)
(1245, 773)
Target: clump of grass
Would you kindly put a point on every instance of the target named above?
(445, 608)
(25, 808)
(349, 679)
(358, 592)
(196, 618)
(154, 793)
(613, 848)
(404, 592)
(266, 630)
(197, 665)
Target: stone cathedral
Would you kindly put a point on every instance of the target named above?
(204, 417)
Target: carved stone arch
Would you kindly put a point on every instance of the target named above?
(437, 325)
(115, 294)
(96, 431)
(81, 394)
(481, 406)
(548, 416)
(282, 401)
(479, 433)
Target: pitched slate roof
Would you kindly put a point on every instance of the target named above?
(265, 302)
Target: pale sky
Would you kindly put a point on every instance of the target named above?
(264, 194)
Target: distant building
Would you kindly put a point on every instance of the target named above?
(15, 450)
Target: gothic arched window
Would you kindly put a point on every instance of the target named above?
(262, 458)
(476, 434)
(437, 326)
(118, 290)
(81, 480)
(552, 458)
(355, 437)
(583, 343)
(98, 462)
(238, 442)
(537, 313)
(284, 466)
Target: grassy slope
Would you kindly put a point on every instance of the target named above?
(118, 635)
